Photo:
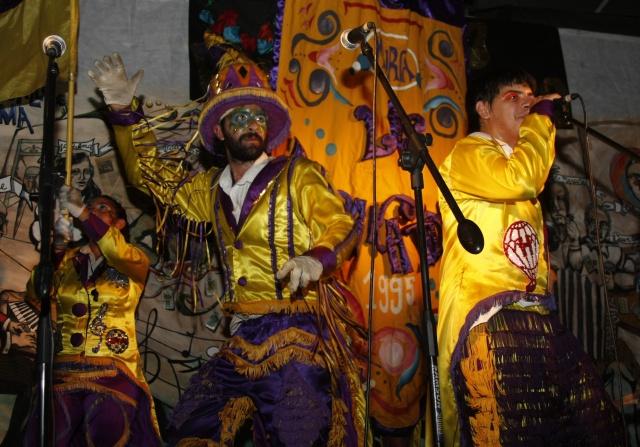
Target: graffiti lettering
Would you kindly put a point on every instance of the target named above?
(17, 116)
(395, 220)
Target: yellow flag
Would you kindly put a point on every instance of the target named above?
(24, 24)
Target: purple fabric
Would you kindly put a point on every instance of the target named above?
(326, 256)
(103, 415)
(94, 227)
(544, 107)
(548, 391)
(277, 40)
(293, 403)
(125, 117)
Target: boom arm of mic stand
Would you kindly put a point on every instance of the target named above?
(468, 232)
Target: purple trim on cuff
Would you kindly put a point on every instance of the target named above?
(544, 107)
(125, 117)
(94, 228)
(326, 256)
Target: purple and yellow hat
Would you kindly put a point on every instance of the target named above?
(240, 82)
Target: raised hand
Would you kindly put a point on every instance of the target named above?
(110, 76)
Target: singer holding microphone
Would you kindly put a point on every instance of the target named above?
(510, 374)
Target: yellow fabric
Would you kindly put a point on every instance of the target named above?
(121, 300)
(493, 191)
(424, 61)
(319, 219)
(479, 375)
(22, 30)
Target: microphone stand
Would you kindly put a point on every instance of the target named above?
(413, 159)
(44, 270)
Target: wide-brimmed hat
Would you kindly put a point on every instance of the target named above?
(240, 82)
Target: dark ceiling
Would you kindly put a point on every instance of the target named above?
(606, 16)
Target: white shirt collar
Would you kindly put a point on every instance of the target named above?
(226, 180)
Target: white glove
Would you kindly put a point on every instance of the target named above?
(71, 200)
(110, 77)
(301, 271)
(63, 229)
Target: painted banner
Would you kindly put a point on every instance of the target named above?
(330, 92)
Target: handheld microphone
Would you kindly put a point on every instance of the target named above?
(54, 46)
(351, 38)
(567, 98)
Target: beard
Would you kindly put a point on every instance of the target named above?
(247, 148)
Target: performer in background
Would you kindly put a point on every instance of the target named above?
(100, 394)
(276, 221)
(510, 374)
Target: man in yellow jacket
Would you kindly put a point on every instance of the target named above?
(280, 230)
(510, 374)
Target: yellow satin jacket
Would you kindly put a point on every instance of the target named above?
(290, 210)
(98, 319)
(499, 193)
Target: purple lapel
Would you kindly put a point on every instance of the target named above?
(259, 185)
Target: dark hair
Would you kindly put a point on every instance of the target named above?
(486, 86)
(121, 213)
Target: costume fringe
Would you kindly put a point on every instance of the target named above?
(275, 306)
(545, 389)
(273, 363)
(479, 373)
(332, 308)
(291, 336)
(234, 414)
(338, 423)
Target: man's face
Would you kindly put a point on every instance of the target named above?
(244, 132)
(81, 174)
(105, 210)
(503, 116)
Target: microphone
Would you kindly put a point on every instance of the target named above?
(567, 98)
(54, 46)
(351, 38)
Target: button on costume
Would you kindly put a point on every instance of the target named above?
(287, 368)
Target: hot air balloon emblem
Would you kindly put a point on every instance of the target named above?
(522, 247)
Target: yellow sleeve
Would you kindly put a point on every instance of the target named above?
(478, 169)
(123, 256)
(323, 210)
(164, 178)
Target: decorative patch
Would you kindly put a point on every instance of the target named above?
(521, 246)
(97, 325)
(117, 340)
(116, 278)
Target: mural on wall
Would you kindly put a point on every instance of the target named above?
(178, 316)
(603, 312)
